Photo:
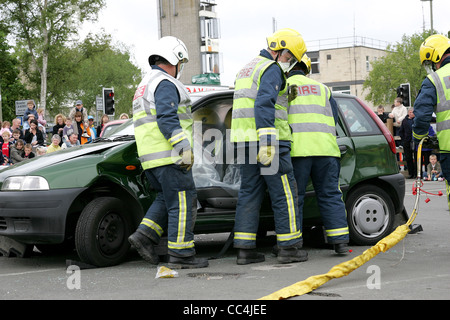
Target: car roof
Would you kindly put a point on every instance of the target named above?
(209, 96)
(111, 123)
(200, 97)
(115, 122)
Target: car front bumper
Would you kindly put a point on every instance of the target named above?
(36, 217)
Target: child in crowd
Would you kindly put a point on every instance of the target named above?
(68, 130)
(56, 139)
(17, 152)
(434, 171)
(15, 136)
(42, 122)
(31, 110)
(28, 151)
(6, 144)
(6, 126)
(41, 117)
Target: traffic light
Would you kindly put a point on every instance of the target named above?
(404, 92)
(108, 101)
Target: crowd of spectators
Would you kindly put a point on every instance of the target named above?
(403, 120)
(21, 142)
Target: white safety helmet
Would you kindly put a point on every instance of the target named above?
(171, 49)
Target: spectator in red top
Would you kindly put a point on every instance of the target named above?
(6, 144)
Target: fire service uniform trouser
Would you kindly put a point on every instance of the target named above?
(324, 173)
(172, 210)
(283, 193)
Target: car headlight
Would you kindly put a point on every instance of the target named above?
(25, 183)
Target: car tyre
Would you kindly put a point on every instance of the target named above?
(102, 232)
(370, 214)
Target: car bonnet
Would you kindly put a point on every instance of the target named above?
(29, 166)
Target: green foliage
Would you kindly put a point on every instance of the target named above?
(103, 63)
(401, 65)
(42, 28)
(11, 87)
(58, 69)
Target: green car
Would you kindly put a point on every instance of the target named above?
(94, 196)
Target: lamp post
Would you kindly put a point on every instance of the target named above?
(431, 13)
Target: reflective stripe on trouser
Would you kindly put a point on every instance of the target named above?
(324, 174)
(283, 193)
(172, 209)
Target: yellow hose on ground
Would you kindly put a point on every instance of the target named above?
(347, 267)
(340, 270)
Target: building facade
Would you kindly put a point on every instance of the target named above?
(343, 64)
(196, 23)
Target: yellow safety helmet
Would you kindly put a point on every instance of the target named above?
(307, 62)
(287, 39)
(433, 48)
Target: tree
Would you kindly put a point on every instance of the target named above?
(11, 87)
(44, 26)
(102, 63)
(401, 65)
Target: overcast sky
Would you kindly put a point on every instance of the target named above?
(245, 24)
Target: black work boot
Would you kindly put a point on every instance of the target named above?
(187, 262)
(144, 246)
(340, 248)
(246, 256)
(291, 255)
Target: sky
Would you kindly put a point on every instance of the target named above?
(245, 24)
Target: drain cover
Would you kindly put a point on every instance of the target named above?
(214, 275)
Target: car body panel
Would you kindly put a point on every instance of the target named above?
(36, 218)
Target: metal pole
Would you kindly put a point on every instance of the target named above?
(431, 15)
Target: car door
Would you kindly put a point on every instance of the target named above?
(348, 163)
(373, 156)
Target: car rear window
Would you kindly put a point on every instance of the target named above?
(358, 122)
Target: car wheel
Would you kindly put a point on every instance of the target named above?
(101, 235)
(370, 215)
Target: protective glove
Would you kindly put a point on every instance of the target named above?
(187, 159)
(292, 92)
(266, 155)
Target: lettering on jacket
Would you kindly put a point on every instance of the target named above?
(309, 89)
(248, 69)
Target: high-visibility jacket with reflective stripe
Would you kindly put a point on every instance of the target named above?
(441, 80)
(311, 119)
(154, 150)
(243, 125)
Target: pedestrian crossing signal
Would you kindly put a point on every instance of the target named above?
(108, 101)
(404, 92)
